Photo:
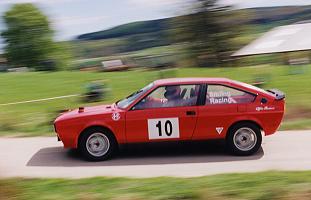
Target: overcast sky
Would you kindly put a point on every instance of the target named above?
(73, 17)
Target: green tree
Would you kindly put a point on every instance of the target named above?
(208, 31)
(29, 39)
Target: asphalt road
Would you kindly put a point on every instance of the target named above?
(45, 157)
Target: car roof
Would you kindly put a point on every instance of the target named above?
(172, 81)
(224, 81)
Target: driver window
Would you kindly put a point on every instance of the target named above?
(170, 96)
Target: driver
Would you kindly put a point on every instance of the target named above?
(173, 96)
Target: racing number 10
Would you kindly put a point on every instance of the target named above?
(163, 128)
(168, 127)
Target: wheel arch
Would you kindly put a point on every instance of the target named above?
(244, 121)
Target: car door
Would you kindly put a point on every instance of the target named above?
(223, 105)
(155, 118)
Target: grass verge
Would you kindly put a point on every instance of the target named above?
(264, 185)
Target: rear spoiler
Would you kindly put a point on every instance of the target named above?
(279, 95)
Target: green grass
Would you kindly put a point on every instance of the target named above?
(252, 186)
(34, 118)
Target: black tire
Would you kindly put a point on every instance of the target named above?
(233, 141)
(105, 136)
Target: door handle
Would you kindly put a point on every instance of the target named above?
(190, 112)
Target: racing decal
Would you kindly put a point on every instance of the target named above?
(219, 130)
(221, 97)
(116, 116)
(163, 128)
(264, 108)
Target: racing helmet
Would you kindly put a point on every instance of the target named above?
(172, 92)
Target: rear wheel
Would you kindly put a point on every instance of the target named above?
(244, 139)
(97, 144)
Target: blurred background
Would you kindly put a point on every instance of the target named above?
(61, 54)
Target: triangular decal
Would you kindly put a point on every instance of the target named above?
(219, 129)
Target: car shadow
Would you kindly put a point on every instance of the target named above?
(143, 154)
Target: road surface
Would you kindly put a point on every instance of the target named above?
(44, 157)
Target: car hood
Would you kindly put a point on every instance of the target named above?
(100, 108)
(86, 111)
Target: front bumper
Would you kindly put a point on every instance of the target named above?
(55, 130)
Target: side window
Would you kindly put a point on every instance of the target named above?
(219, 94)
(170, 96)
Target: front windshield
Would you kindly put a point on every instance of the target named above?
(130, 99)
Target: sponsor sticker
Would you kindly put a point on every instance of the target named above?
(221, 97)
(266, 108)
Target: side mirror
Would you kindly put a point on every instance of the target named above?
(263, 101)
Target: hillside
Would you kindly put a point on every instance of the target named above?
(134, 28)
(278, 14)
(257, 16)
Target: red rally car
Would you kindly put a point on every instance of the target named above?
(177, 109)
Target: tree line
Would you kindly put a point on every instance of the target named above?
(30, 42)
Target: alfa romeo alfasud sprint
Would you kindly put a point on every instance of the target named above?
(179, 109)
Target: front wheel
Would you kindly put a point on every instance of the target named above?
(244, 139)
(97, 145)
